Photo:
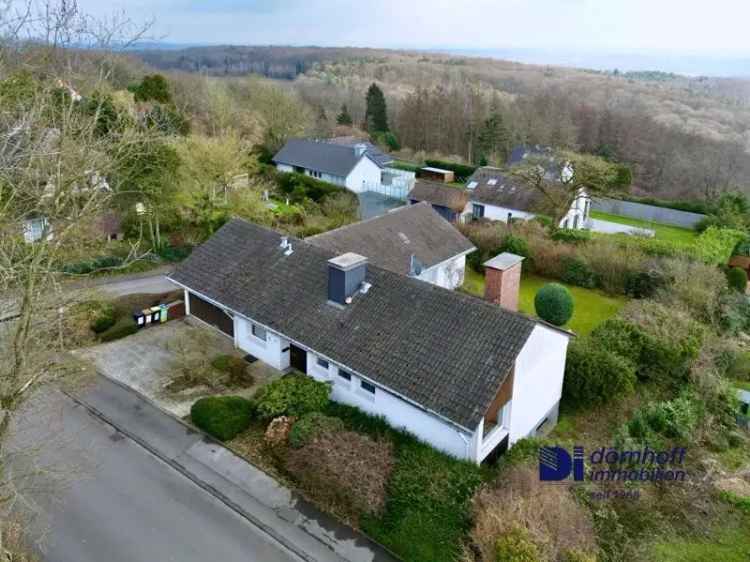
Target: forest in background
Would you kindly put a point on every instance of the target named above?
(684, 137)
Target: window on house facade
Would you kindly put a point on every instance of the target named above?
(259, 332)
(344, 375)
(322, 363)
(366, 386)
(477, 211)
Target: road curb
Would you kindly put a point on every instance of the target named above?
(192, 477)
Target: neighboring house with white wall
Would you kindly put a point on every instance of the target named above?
(465, 375)
(412, 240)
(356, 167)
(494, 194)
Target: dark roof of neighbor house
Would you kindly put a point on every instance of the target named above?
(389, 241)
(334, 159)
(447, 351)
(454, 198)
(377, 155)
(522, 152)
(496, 187)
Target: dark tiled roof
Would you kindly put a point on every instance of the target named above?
(390, 240)
(522, 152)
(440, 194)
(447, 351)
(321, 156)
(505, 192)
(377, 155)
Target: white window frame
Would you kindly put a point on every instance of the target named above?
(262, 330)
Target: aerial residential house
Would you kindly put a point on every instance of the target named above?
(449, 201)
(496, 195)
(461, 373)
(411, 240)
(355, 167)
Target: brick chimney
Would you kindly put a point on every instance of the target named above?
(502, 280)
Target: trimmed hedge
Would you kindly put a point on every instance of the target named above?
(313, 425)
(300, 186)
(292, 395)
(571, 236)
(554, 303)
(222, 417)
(461, 171)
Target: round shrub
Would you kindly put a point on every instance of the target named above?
(516, 546)
(737, 279)
(311, 426)
(292, 395)
(577, 272)
(595, 374)
(554, 303)
(223, 417)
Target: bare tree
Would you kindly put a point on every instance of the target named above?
(54, 164)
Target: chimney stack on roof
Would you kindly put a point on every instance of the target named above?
(346, 276)
(502, 280)
(360, 148)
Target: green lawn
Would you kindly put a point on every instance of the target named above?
(592, 307)
(662, 231)
(727, 544)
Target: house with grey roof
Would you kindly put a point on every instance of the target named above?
(496, 195)
(411, 240)
(448, 200)
(354, 166)
(469, 376)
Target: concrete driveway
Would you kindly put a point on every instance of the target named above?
(149, 361)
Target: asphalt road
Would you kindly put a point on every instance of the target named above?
(119, 503)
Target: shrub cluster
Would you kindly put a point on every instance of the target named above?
(222, 417)
(90, 266)
(300, 187)
(292, 395)
(104, 318)
(122, 328)
(595, 375)
(311, 426)
(571, 235)
(235, 367)
(656, 422)
(347, 470)
(737, 279)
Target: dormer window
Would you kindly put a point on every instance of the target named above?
(492, 181)
(472, 185)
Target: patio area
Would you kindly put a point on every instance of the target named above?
(171, 364)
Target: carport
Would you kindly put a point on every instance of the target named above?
(211, 314)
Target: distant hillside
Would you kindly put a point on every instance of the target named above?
(283, 63)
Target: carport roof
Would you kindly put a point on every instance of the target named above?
(446, 351)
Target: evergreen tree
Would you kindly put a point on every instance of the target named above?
(494, 139)
(344, 118)
(376, 114)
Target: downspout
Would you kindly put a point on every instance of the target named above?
(467, 445)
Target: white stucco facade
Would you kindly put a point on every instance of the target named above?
(574, 219)
(365, 174)
(448, 274)
(537, 388)
(538, 381)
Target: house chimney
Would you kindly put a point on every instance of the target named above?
(502, 280)
(359, 149)
(346, 275)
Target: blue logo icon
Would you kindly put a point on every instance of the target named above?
(556, 464)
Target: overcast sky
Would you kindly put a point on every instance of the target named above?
(718, 26)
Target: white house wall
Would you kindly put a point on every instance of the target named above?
(284, 168)
(495, 213)
(365, 174)
(400, 414)
(538, 380)
(270, 351)
(448, 274)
